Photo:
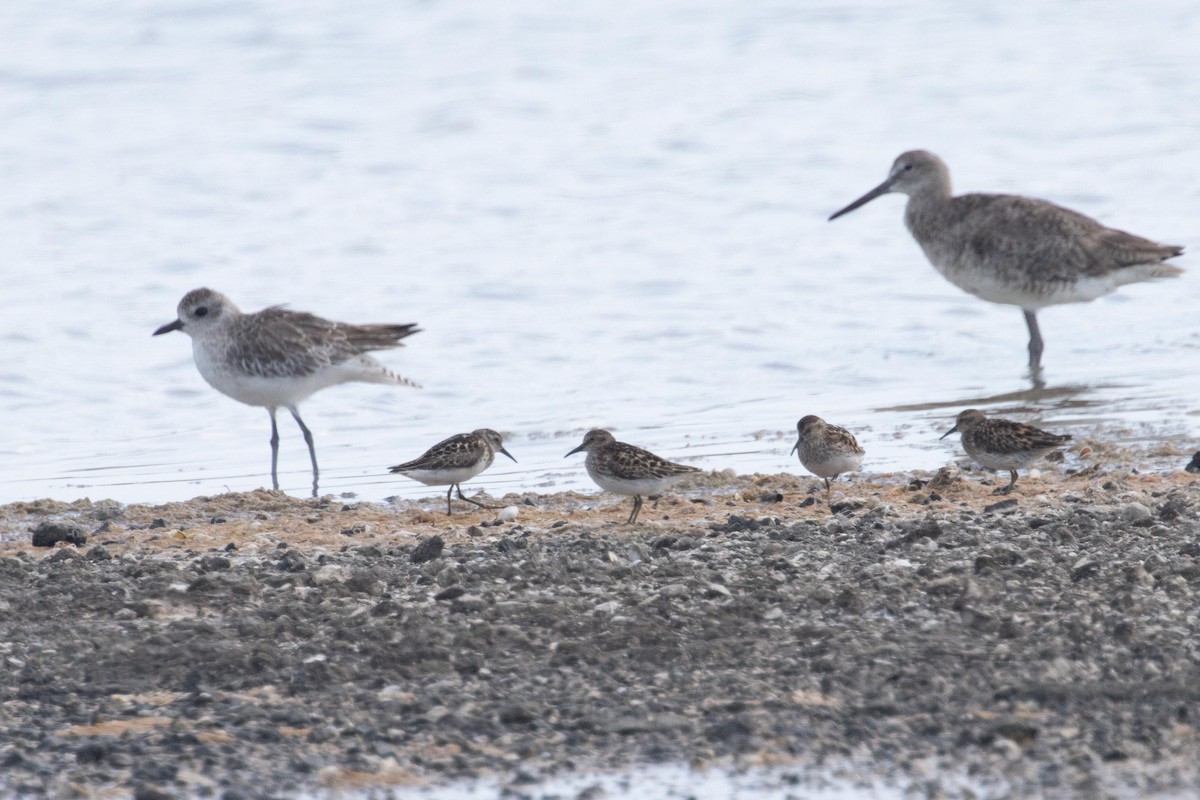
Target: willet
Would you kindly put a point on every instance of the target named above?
(1016, 250)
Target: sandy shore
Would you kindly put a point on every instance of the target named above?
(258, 645)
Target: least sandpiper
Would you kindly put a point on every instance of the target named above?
(1016, 250)
(276, 357)
(826, 450)
(454, 460)
(624, 469)
(1004, 444)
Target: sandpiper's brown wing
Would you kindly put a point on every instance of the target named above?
(459, 451)
(843, 441)
(636, 462)
(1004, 436)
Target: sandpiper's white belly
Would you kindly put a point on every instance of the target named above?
(444, 477)
(633, 486)
(987, 285)
(1007, 460)
(833, 465)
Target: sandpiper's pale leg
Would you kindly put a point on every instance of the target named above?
(308, 440)
(274, 450)
(1011, 484)
(1035, 340)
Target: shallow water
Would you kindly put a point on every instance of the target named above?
(600, 214)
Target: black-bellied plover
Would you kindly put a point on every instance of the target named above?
(277, 357)
(624, 469)
(1016, 250)
(454, 460)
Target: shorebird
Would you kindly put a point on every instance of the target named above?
(276, 357)
(624, 469)
(454, 460)
(1002, 443)
(1016, 250)
(826, 450)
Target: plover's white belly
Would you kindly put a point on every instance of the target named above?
(831, 465)
(258, 390)
(633, 486)
(444, 477)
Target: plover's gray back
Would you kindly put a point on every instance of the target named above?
(1016, 250)
(278, 357)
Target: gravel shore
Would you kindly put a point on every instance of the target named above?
(258, 645)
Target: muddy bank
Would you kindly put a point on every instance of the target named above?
(256, 645)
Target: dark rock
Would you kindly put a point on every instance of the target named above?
(99, 553)
(427, 550)
(450, 593)
(515, 715)
(158, 523)
(1003, 505)
(49, 533)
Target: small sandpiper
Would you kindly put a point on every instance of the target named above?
(1004, 444)
(826, 450)
(454, 460)
(1016, 250)
(276, 357)
(624, 469)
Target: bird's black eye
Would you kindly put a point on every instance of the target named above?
(201, 311)
(908, 167)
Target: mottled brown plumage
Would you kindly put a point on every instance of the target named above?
(1016, 250)
(826, 450)
(454, 460)
(1003, 443)
(624, 469)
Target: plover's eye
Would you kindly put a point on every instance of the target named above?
(202, 311)
(908, 167)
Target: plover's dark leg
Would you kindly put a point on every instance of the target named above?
(308, 440)
(473, 502)
(1035, 340)
(274, 450)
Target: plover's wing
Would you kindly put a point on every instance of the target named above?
(277, 341)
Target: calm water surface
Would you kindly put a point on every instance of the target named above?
(600, 213)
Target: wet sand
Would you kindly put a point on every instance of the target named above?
(258, 645)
